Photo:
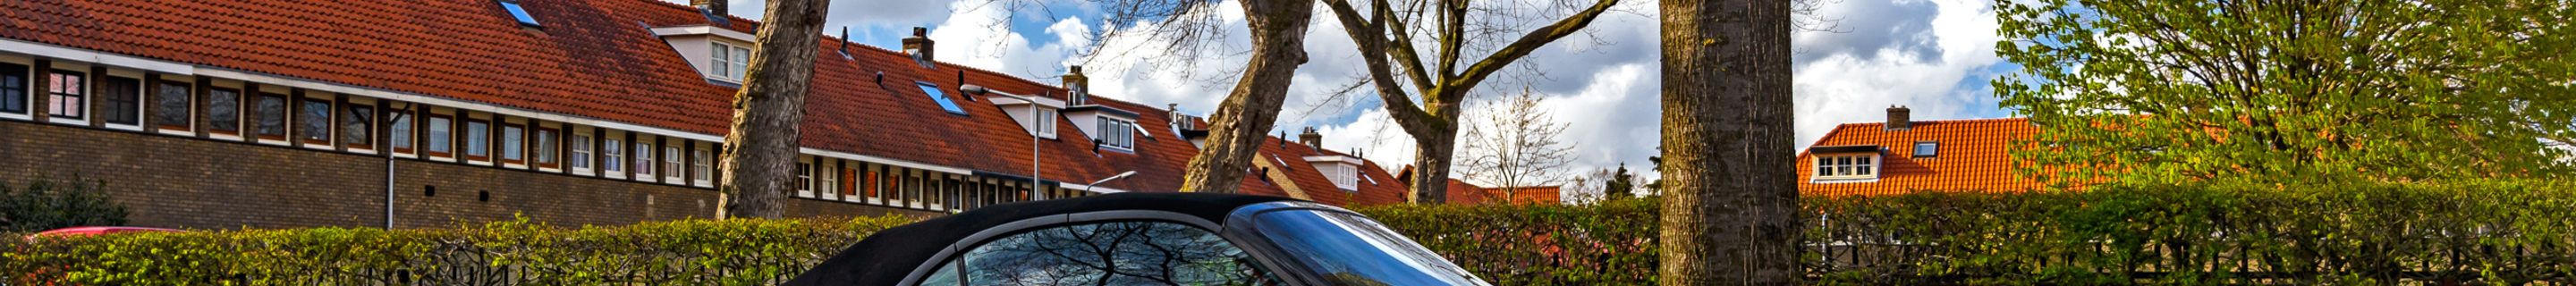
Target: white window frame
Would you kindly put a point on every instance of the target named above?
(1841, 167)
(80, 113)
(705, 168)
(1117, 133)
(804, 178)
(831, 184)
(29, 89)
(612, 163)
(643, 160)
(674, 164)
(582, 154)
(1046, 122)
(728, 62)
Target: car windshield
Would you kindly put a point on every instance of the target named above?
(1347, 249)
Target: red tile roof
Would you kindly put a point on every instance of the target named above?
(597, 59)
(1463, 193)
(1971, 156)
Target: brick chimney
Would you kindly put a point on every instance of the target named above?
(1899, 118)
(919, 45)
(716, 8)
(1079, 84)
(1312, 139)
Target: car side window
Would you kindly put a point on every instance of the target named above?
(1112, 253)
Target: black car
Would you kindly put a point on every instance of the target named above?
(1141, 239)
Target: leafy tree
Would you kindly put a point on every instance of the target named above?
(2290, 91)
(1621, 184)
(1730, 203)
(759, 161)
(46, 205)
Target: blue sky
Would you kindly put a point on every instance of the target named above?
(1934, 56)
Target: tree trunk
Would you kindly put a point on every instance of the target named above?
(760, 149)
(1240, 124)
(1431, 162)
(1731, 195)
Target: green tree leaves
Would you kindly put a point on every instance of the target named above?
(2290, 91)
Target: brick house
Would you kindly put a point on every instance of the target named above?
(1903, 155)
(267, 113)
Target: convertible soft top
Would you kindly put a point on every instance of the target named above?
(886, 257)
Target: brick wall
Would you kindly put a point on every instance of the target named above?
(181, 182)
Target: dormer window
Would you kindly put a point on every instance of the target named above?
(1344, 171)
(1046, 123)
(1117, 133)
(521, 13)
(1846, 167)
(730, 61)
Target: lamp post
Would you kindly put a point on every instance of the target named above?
(1034, 185)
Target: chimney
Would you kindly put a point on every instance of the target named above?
(919, 45)
(713, 8)
(1899, 118)
(1080, 85)
(1311, 139)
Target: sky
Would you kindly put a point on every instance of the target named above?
(1933, 56)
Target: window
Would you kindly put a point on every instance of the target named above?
(671, 167)
(271, 109)
(944, 103)
(702, 165)
(643, 160)
(804, 179)
(1162, 253)
(545, 148)
(400, 132)
(223, 111)
(478, 140)
(1927, 149)
(1046, 123)
(521, 13)
(13, 89)
(614, 150)
(438, 136)
(730, 61)
(170, 106)
(1117, 133)
(511, 145)
(356, 127)
(64, 94)
(581, 152)
(831, 185)
(1345, 176)
(1855, 166)
(124, 101)
(314, 120)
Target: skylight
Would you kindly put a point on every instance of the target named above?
(521, 13)
(944, 103)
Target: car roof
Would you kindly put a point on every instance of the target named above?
(886, 257)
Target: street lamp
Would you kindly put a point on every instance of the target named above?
(1034, 185)
(1096, 184)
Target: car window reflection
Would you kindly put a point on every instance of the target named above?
(1346, 249)
(1115, 253)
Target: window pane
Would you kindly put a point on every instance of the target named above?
(272, 115)
(1926, 149)
(545, 146)
(124, 100)
(356, 126)
(478, 138)
(438, 134)
(616, 154)
(510, 143)
(223, 110)
(944, 103)
(13, 88)
(67, 94)
(580, 151)
(401, 131)
(671, 161)
(170, 105)
(316, 119)
(643, 159)
(1842, 170)
(1155, 253)
(702, 163)
(1861, 160)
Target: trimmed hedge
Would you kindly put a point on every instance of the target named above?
(2479, 233)
(698, 252)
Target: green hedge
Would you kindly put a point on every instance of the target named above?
(2480, 233)
(733, 252)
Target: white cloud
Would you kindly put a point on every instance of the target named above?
(1846, 85)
